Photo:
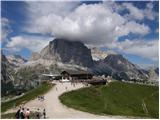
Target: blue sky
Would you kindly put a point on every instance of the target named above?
(129, 28)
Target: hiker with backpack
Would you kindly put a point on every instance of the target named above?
(38, 114)
(18, 113)
(44, 113)
(22, 114)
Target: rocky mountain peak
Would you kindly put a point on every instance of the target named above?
(118, 62)
(120, 68)
(16, 60)
(65, 51)
(6, 76)
(98, 54)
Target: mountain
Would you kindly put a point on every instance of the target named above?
(157, 71)
(98, 54)
(16, 60)
(72, 55)
(6, 76)
(120, 68)
(67, 52)
(153, 74)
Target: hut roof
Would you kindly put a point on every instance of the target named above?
(73, 72)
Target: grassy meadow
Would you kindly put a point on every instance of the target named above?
(30, 95)
(116, 98)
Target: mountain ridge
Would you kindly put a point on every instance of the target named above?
(71, 52)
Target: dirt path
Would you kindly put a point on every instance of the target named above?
(55, 109)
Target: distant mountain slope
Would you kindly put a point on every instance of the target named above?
(6, 76)
(120, 68)
(16, 60)
(153, 74)
(98, 54)
(75, 55)
(157, 71)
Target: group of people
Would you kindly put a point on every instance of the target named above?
(23, 113)
(41, 98)
(38, 114)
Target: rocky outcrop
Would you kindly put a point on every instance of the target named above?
(153, 74)
(16, 60)
(98, 54)
(67, 52)
(119, 67)
(156, 71)
(6, 76)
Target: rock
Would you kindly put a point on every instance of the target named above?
(98, 54)
(119, 67)
(16, 60)
(6, 76)
(64, 51)
(34, 56)
(153, 74)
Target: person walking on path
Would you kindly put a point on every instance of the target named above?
(66, 87)
(38, 114)
(18, 113)
(44, 113)
(56, 89)
(22, 114)
(27, 113)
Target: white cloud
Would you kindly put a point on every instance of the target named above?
(149, 13)
(134, 11)
(146, 49)
(60, 8)
(5, 28)
(92, 24)
(133, 27)
(140, 14)
(33, 43)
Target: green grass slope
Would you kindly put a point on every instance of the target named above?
(117, 98)
(30, 95)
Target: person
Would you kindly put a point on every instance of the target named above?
(18, 113)
(42, 98)
(38, 97)
(22, 115)
(56, 88)
(27, 113)
(66, 88)
(44, 113)
(38, 114)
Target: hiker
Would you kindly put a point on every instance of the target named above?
(44, 113)
(66, 88)
(22, 114)
(38, 114)
(27, 113)
(43, 98)
(38, 97)
(56, 89)
(18, 113)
